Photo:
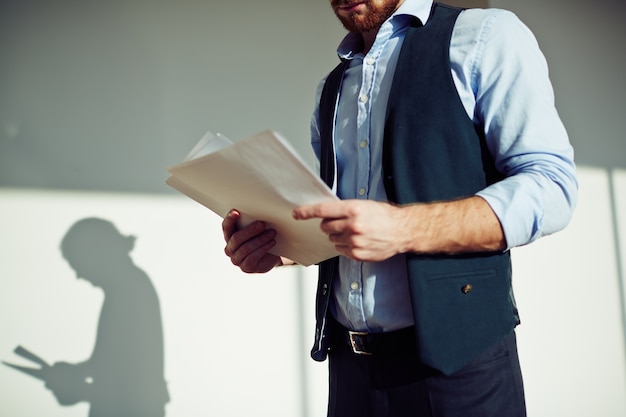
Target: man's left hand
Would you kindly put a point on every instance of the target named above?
(364, 230)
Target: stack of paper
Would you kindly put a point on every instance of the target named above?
(264, 179)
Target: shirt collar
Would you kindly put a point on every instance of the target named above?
(352, 43)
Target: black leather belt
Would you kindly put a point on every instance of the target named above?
(363, 343)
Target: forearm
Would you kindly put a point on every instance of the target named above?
(368, 230)
(467, 225)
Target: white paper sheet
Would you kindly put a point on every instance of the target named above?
(264, 179)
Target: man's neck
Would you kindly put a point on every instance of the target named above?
(368, 39)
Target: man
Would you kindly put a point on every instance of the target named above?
(438, 132)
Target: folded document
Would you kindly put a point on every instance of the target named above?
(263, 178)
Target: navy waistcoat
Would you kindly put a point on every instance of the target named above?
(432, 151)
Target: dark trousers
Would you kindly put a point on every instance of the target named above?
(398, 385)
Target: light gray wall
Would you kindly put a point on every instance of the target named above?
(104, 95)
(582, 42)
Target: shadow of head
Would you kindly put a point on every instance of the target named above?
(93, 246)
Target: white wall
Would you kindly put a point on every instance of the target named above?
(234, 344)
(571, 341)
(238, 345)
(99, 97)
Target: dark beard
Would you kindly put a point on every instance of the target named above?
(374, 18)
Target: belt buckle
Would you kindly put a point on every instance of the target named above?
(354, 342)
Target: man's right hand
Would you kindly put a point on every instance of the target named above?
(248, 247)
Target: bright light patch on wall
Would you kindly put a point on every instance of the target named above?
(238, 345)
(227, 336)
(568, 292)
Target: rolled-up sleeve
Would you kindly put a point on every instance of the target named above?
(524, 133)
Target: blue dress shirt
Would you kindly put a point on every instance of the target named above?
(502, 80)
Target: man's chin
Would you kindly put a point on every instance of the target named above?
(355, 23)
(367, 17)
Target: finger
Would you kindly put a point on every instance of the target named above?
(333, 226)
(304, 212)
(321, 211)
(247, 236)
(229, 224)
(248, 255)
(259, 264)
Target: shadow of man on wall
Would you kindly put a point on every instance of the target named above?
(124, 375)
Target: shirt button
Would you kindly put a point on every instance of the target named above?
(363, 144)
(361, 191)
(363, 99)
(354, 286)
(370, 61)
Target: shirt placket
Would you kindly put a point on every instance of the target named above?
(364, 111)
(363, 177)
